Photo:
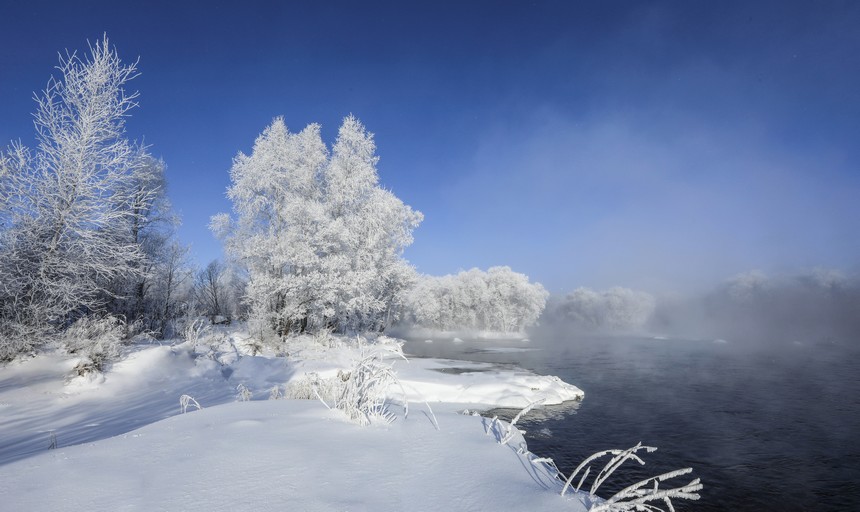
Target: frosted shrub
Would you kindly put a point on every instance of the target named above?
(19, 338)
(243, 394)
(360, 391)
(308, 387)
(187, 400)
(326, 338)
(275, 393)
(97, 339)
(640, 496)
(364, 387)
(194, 331)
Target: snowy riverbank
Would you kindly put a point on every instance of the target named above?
(263, 454)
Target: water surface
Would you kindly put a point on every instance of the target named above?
(765, 426)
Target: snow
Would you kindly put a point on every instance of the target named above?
(286, 454)
(480, 384)
(121, 442)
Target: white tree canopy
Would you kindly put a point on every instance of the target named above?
(615, 309)
(67, 207)
(321, 240)
(496, 300)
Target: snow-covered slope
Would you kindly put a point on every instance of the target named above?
(76, 444)
(286, 455)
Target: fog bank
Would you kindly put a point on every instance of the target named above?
(815, 307)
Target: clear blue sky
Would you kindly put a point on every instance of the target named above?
(657, 145)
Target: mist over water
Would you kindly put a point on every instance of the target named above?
(761, 394)
(816, 308)
(820, 307)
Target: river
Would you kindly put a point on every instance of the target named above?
(765, 426)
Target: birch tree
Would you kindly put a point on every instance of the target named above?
(67, 204)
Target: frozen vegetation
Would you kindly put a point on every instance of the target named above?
(496, 301)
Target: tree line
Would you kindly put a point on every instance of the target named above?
(88, 249)
(498, 300)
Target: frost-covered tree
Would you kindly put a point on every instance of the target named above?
(615, 309)
(172, 288)
(212, 291)
(496, 300)
(320, 239)
(372, 226)
(134, 296)
(67, 206)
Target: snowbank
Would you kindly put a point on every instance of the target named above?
(78, 444)
(441, 380)
(480, 384)
(286, 455)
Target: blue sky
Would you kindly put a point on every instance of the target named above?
(658, 145)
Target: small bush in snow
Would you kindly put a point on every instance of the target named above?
(275, 393)
(185, 401)
(360, 391)
(363, 390)
(98, 340)
(194, 331)
(243, 393)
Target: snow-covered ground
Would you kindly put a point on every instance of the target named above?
(119, 442)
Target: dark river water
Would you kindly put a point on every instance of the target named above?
(766, 427)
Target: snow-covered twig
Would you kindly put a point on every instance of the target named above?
(513, 427)
(635, 497)
(186, 400)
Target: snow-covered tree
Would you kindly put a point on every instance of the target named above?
(134, 296)
(172, 288)
(320, 239)
(212, 291)
(496, 300)
(615, 309)
(67, 206)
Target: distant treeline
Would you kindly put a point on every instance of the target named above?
(498, 299)
(816, 306)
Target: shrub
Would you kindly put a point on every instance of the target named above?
(361, 391)
(97, 339)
